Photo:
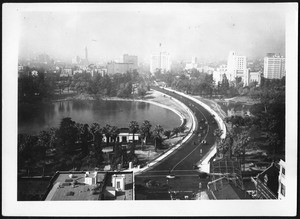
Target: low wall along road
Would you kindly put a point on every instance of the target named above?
(203, 164)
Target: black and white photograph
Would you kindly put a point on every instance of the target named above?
(149, 109)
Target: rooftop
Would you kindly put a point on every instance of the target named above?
(66, 188)
(227, 190)
(80, 185)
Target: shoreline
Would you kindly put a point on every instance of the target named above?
(91, 98)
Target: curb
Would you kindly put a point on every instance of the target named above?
(164, 155)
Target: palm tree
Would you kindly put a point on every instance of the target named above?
(107, 132)
(182, 128)
(85, 138)
(175, 131)
(156, 134)
(167, 133)
(114, 133)
(218, 133)
(133, 128)
(145, 130)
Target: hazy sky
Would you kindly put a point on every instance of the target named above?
(207, 31)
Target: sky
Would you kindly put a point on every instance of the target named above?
(206, 31)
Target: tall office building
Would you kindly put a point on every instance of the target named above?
(161, 62)
(86, 53)
(274, 66)
(236, 66)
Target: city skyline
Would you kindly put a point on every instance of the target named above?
(207, 31)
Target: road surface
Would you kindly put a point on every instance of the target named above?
(181, 162)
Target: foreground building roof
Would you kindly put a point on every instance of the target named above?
(81, 185)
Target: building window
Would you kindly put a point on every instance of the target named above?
(282, 189)
(118, 184)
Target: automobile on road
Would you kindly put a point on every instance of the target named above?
(171, 176)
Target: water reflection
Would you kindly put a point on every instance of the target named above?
(118, 113)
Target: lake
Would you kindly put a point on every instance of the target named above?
(118, 113)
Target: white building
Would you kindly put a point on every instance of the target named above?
(236, 67)
(274, 66)
(219, 73)
(281, 180)
(252, 77)
(124, 136)
(161, 62)
(192, 65)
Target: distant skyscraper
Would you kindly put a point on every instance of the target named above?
(131, 59)
(76, 60)
(236, 66)
(86, 53)
(194, 60)
(160, 62)
(274, 66)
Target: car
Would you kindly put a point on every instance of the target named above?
(195, 167)
(203, 142)
(171, 176)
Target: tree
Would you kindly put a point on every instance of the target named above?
(182, 128)
(97, 133)
(145, 130)
(107, 132)
(218, 133)
(156, 134)
(274, 142)
(176, 131)
(142, 91)
(133, 128)
(44, 139)
(97, 137)
(224, 85)
(26, 151)
(85, 137)
(167, 133)
(66, 136)
(114, 132)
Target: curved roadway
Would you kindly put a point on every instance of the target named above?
(181, 162)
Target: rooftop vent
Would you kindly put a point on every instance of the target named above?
(70, 193)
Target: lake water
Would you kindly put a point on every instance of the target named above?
(118, 113)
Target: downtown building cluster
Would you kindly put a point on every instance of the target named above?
(273, 68)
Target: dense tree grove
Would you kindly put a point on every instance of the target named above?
(268, 119)
(35, 87)
(198, 83)
(79, 146)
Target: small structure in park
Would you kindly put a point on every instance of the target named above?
(125, 136)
